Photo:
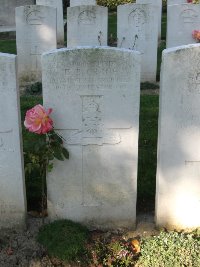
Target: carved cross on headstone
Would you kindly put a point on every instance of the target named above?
(36, 57)
(92, 132)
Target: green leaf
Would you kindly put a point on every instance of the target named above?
(58, 153)
(65, 153)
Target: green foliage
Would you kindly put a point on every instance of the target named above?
(8, 46)
(170, 249)
(148, 85)
(33, 178)
(113, 3)
(147, 158)
(35, 88)
(64, 239)
(112, 254)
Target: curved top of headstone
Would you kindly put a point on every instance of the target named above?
(180, 49)
(95, 48)
(7, 55)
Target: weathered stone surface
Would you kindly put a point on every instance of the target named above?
(94, 93)
(82, 2)
(7, 13)
(12, 191)
(58, 4)
(178, 168)
(137, 30)
(159, 10)
(182, 19)
(87, 25)
(174, 2)
(35, 34)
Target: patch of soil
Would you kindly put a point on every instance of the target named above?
(20, 248)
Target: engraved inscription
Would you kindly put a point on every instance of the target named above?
(189, 16)
(194, 82)
(137, 20)
(6, 141)
(8, 208)
(34, 18)
(87, 17)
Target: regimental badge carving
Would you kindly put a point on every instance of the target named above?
(189, 16)
(92, 124)
(34, 17)
(87, 17)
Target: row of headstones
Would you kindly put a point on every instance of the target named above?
(87, 25)
(95, 96)
(182, 19)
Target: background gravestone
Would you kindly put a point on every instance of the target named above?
(94, 93)
(60, 24)
(7, 13)
(35, 34)
(87, 25)
(178, 168)
(12, 187)
(137, 30)
(182, 19)
(82, 2)
(174, 2)
(159, 10)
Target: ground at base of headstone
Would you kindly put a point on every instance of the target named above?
(21, 248)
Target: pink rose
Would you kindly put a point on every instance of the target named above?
(37, 120)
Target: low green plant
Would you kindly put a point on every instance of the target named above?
(65, 240)
(170, 249)
(148, 85)
(113, 3)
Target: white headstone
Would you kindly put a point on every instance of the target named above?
(82, 2)
(182, 19)
(174, 2)
(137, 30)
(7, 13)
(94, 93)
(12, 187)
(87, 25)
(58, 4)
(178, 168)
(159, 10)
(35, 34)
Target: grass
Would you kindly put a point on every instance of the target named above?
(72, 243)
(64, 239)
(8, 46)
(147, 158)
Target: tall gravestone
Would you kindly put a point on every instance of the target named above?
(58, 4)
(12, 187)
(178, 168)
(35, 34)
(82, 2)
(94, 93)
(159, 11)
(182, 19)
(137, 30)
(87, 25)
(7, 13)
